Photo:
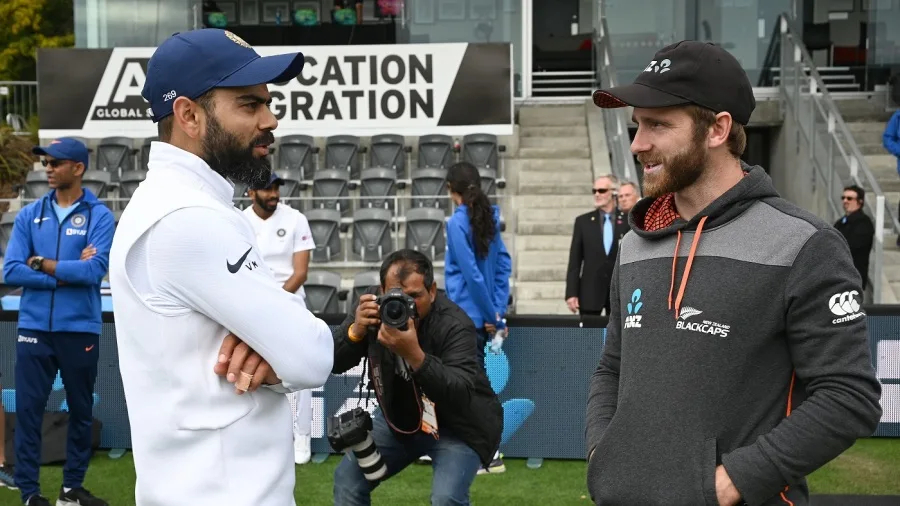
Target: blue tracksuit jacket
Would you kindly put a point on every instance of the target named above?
(891, 137)
(74, 306)
(480, 286)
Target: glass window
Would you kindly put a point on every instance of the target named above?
(130, 23)
(884, 36)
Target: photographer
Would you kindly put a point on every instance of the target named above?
(434, 396)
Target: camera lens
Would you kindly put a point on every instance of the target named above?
(394, 310)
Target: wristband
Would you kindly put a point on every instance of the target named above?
(353, 337)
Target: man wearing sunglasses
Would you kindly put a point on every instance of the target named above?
(58, 253)
(592, 255)
(857, 228)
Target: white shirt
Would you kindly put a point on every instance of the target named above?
(185, 270)
(279, 237)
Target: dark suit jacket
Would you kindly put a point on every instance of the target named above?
(590, 268)
(860, 233)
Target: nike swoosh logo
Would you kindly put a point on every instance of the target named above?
(89, 348)
(234, 267)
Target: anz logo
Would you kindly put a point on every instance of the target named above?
(633, 320)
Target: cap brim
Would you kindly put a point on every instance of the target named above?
(635, 95)
(266, 69)
(49, 151)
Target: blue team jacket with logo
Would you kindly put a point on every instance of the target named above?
(69, 301)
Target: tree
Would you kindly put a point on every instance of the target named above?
(25, 26)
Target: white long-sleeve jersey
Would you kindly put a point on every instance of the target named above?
(185, 270)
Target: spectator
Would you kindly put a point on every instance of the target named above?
(6, 470)
(58, 253)
(891, 141)
(285, 240)
(857, 228)
(447, 382)
(477, 266)
(592, 255)
(627, 196)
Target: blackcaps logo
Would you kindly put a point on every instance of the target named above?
(845, 305)
(237, 40)
(78, 220)
(633, 320)
(281, 232)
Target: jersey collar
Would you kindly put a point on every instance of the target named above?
(166, 156)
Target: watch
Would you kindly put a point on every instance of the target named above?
(37, 263)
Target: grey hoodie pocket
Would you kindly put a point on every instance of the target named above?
(708, 471)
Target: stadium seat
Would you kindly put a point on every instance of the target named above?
(425, 232)
(435, 151)
(36, 185)
(322, 290)
(488, 182)
(117, 215)
(297, 153)
(6, 227)
(372, 234)
(377, 187)
(361, 282)
(429, 189)
(483, 151)
(292, 185)
(389, 151)
(115, 155)
(342, 152)
(439, 281)
(325, 225)
(97, 181)
(331, 190)
(145, 152)
(241, 199)
(129, 182)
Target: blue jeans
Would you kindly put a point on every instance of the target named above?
(454, 462)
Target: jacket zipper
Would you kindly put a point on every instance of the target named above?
(53, 293)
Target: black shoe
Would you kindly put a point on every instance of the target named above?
(7, 477)
(78, 497)
(38, 500)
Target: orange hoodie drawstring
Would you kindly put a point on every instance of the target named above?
(687, 267)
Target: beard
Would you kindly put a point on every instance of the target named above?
(679, 170)
(266, 204)
(226, 154)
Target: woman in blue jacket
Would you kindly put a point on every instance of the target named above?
(477, 266)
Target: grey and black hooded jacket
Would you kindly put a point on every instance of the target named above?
(734, 338)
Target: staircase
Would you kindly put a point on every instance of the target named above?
(554, 173)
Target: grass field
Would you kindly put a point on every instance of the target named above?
(872, 466)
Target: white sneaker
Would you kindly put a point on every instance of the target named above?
(302, 451)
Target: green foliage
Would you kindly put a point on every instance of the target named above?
(28, 25)
(15, 157)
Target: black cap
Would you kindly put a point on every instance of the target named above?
(687, 72)
(268, 183)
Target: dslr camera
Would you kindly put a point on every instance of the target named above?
(352, 431)
(395, 308)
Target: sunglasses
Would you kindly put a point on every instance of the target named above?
(599, 190)
(847, 198)
(52, 163)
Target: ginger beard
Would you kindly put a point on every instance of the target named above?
(678, 170)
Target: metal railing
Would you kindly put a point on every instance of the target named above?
(615, 121)
(18, 103)
(834, 154)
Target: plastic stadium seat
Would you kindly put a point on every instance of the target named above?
(325, 225)
(129, 182)
(6, 227)
(481, 150)
(429, 189)
(331, 190)
(361, 282)
(97, 181)
(435, 151)
(297, 153)
(36, 185)
(291, 187)
(439, 281)
(488, 182)
(377, 187)
(240, 199)
(389, 151)
(115, 155)
(342, 152)
(322, 291)
(425, 232)
(117, 215)
(372, 234)
(145, 152)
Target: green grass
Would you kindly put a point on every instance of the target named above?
(872, 466)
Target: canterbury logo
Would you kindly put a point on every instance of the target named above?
(844, 303)
(687, 312)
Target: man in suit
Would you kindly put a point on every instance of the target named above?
(592, 256)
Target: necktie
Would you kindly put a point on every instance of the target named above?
(607, 234)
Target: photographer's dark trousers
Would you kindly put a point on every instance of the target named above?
(39, 355)
(454, 462)
(483, 340)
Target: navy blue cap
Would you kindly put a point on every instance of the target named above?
(191, 63)
(273, 179)
(64, 148)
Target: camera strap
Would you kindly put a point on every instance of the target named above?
(429, 417)
(376, 371)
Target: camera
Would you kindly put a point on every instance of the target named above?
(395, 308)
(352, 431)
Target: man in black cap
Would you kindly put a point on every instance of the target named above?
(736, 358)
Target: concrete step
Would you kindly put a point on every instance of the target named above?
(564, 174)
(572, 131)
(585, 203)
(537, 242)
(565, 215)
(556, 111)
(560, 228)
(548, 259)
(540, 273)
(556, 167)
(891, 257)
(871, 148)
(552, 142)
(555, 188)
(542, 307)
(552, 121)
(541, 290)
(895, 288)
(554, 153)
(865, 127)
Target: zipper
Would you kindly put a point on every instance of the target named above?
(53, 293)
